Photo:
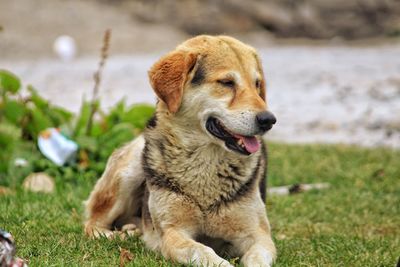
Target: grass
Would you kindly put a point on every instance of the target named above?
(354, 223)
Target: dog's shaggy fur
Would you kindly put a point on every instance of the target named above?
(193, 183)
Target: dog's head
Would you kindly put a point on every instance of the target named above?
(216, 83)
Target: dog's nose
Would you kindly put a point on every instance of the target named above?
(265, 120)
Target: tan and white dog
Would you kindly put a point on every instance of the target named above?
(194, 183)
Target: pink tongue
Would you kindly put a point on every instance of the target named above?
(251, 143)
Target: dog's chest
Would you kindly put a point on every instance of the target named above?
(209, 181)
(207, 177)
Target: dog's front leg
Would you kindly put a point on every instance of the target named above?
(180, 247)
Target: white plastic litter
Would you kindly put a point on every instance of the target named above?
(56, 147)
(65, 47)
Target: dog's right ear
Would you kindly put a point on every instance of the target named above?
(169, 75)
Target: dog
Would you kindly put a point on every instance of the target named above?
(193, 184)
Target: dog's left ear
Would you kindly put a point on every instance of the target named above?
(169, 75)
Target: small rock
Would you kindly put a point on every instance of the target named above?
(20, 162)
(39, 182)
(375, 125)
(313, 124)
(281, 236)
(388, 133)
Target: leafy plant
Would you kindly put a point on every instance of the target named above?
(23, 118)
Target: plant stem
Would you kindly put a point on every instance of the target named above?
(97, 79)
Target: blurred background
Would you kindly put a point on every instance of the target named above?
(332, 67)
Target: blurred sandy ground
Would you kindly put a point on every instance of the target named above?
(321, 91)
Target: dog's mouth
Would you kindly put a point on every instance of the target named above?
(245, 145)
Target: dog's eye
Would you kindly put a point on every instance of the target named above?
(258, 83)
(227, 83)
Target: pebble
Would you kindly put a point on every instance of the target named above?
(39, 182)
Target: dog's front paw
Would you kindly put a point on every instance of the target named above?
(216, 263)
(257, 257)
(126, 231)
(207, 257)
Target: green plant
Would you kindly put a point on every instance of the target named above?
(23, 118)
